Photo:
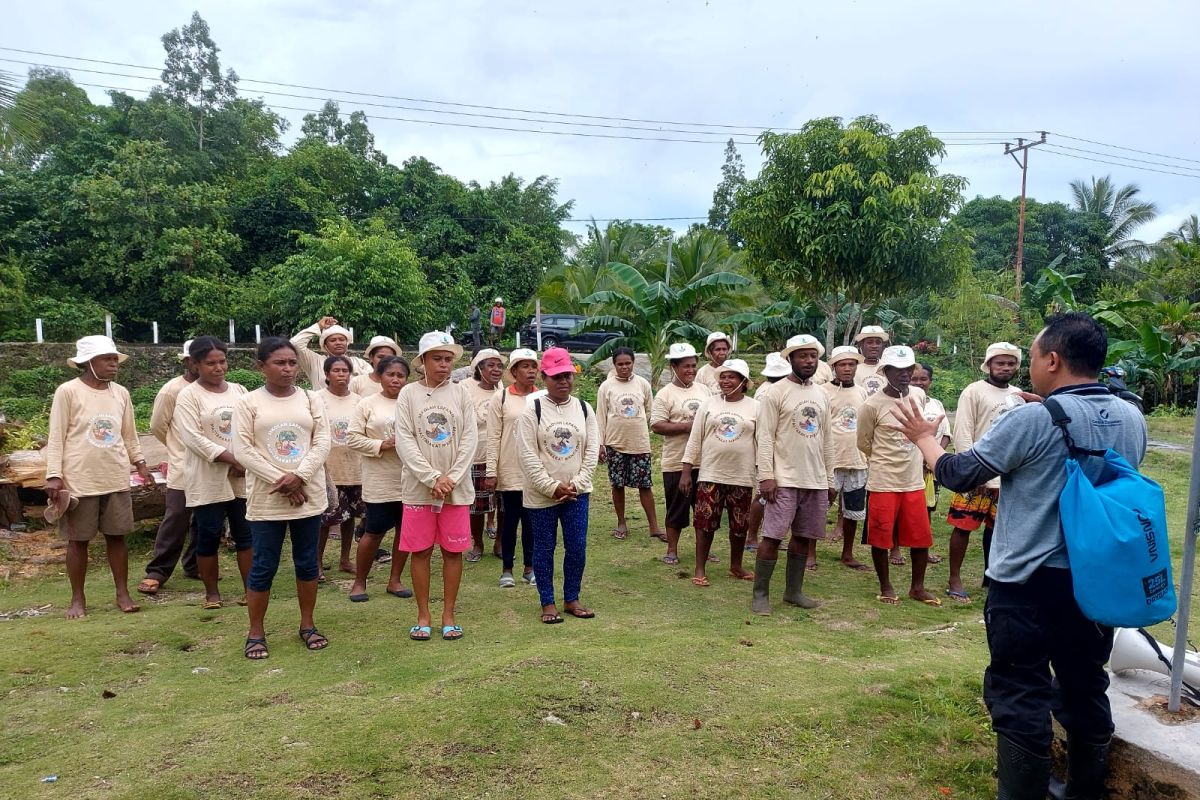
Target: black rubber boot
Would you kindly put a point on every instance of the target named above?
(793, 592)
(761, 602)
(1087, 767)
(1020, 774)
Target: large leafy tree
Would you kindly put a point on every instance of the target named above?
(1120, 206)
(192, 77)
(353, 134)
(733, 178)
(855, 210)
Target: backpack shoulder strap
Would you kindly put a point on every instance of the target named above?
(1060, 419)
(537, 409)
(583, 404)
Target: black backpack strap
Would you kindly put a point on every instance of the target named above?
(584, 405)
(537, 409)
(1058, 416)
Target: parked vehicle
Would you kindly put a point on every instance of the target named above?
(557, 331)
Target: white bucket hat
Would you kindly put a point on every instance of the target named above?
(713, 338)
(802, 342)
(334, 330)
(843, 352)
(437, 340)
(382, 341)
(519, 355)
(735, 365)
(872, 330)
(185, 353)
(899, 355)
(1000, 349)
(89, 347)
(483, 355)
(777, 366)
(680, 350)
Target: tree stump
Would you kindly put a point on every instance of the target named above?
(10, 505)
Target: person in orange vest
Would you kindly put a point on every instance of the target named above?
(499, 318)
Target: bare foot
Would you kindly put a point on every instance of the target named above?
(126, 604)
(925, 596)
(898, 560)
(811, 566)
(358, 588)
(854, 564)
(741, 574)
(934, 558)
(346, 566)
(77, 609)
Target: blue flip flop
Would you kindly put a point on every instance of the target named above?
(420, 633)
(451, 633)
(360, 598)
(962, 598)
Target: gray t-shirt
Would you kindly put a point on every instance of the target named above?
(1028, 453)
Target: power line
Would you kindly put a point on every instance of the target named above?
(1130, 149)
(1125, 158)
(1116, 163)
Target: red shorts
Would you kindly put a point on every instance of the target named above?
(421, 528)
(898, 519)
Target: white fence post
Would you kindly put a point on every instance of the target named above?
(518, 338)
(108, 325)
(352, 334)
(231, 332)
(154, 326)
(257, 334)
(37, 329)
(537, 314)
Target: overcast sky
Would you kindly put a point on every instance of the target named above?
(1114, 72)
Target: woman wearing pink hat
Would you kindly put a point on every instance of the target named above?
(559, 446)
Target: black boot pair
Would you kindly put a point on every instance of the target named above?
(1022, 775)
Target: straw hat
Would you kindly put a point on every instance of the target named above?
(89, 347)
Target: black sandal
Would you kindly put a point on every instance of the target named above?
(313, 639)
(256, 649)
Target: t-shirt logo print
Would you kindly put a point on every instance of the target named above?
(563, 442)
(691, 407)
(102, 431)
(340, 429)
(805, 418)
(628, 407)
(729, 428)
(873, 383)
(286, 447)
(222, 426)
(846, 420)
(437, 427)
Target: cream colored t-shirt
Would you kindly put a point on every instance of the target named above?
(93, 439)
(795, 443)
(723, 443)
(563, 448)
(708, 375)
(205, 422)
(934, 409)
(436, 435)
(273, 436)
(384, 478)
(894, 464)
(979, 406)
(312, 363)
(870, 377)
(161, 426)
(364, 386)
(482, 398)
(676, 404)
(845, 403)
(344, 464)
(503, 463)
(765, 388)
(823, 375)
(622, 414)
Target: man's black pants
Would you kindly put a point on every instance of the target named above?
(1031, 628)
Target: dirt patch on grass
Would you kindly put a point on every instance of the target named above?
(30, 553)
(325, 784)
(227, 782)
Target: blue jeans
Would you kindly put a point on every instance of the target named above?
(573, 516)
(210, 524)
(268, 536)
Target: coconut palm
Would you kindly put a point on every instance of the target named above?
(1120, 206)
(585, 271)
(699, 253)
(1188, 231)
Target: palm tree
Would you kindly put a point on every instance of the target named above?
(699, 253)
(585, 271)
(1188, 231)
(1124, 212)
(650, 315)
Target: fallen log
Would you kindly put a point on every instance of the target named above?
(26, 469)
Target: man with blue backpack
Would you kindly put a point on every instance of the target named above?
(1034, 622)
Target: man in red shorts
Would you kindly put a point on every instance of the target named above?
(896, 509)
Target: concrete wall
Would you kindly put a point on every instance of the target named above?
(148, 364)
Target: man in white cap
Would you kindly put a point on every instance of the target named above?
(335, 340)
(795, 461)
(846, 399)
(979, 406)
(896, 513)
(870, 341)
(177, 519)
(717, 348)
(92, 443)
(436, 436)
(498, 319)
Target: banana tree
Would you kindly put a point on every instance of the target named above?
(650, 315)
(1164, 352)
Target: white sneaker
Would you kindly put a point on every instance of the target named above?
(506, 581)
(529, 578)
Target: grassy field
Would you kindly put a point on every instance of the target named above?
(672, 691)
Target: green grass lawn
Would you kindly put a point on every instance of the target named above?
(672, 691)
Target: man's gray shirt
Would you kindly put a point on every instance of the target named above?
(1028, 453)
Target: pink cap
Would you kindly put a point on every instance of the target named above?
(556, 361)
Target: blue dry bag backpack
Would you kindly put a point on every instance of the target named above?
(1116, 535)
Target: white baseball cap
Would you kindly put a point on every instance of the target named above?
(519, 355)
(185, 353)
(777, 366)
(382, 341)
(1000, 349)
(713, 338)
(898, 355)
(680, 350)
(869, 331)
(89, 347)
(735, 365)
(843, 352)
(437, 340)
(334, 330)
(802, 341)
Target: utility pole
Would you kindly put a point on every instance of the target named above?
(1023, 146)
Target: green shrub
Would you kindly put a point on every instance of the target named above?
(1159, 412)
(144, 395)
(249, 378)
(38, 382)
(24, 408)
(30, 436)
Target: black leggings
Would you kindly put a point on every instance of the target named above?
(513, 512)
